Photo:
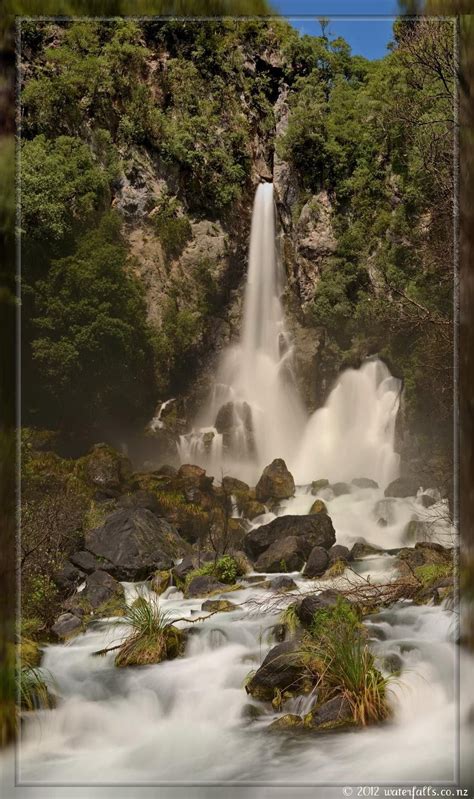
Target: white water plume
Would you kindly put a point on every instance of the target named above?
(255, 413)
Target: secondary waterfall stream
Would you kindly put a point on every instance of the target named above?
(184, 721)
(254, 413)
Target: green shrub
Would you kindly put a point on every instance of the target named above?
(173, 229)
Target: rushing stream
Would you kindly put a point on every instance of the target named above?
(184, 720)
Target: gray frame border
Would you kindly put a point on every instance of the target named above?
(456, 426)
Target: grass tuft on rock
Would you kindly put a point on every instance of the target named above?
(153, 637)
(337, 652)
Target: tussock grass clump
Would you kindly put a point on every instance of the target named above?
(289, 617)
(337, 653)
(153, 637)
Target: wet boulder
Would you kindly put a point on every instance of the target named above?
(69, 577)
(362, 549)
(204, 584)
(312, 603)
(336, 712)
(281, 669)
(67, 625)
(318, 485)
(317, 562)
(318, 506)
(183, 568)
(403, 487)
(282, 583)
(340, 488)
(276, 482)
(133, 543)
(314, 530)
(364, 482)
(232, 485)
(253, 508)
(218, 606)
(284, 555)
(290, 721)
(339, 552)
(101, 588)
(160, 582)
(194, 477)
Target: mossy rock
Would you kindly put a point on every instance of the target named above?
(160, 582)
(335, 570)
(218, 606)
(318, 506)
(253, 508)
(290, 721)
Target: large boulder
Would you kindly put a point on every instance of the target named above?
(133, 543)
(403, 487)
(100, 589)
(339, 552)
(314, 530)
(276, 482)
(67, 625)
(317, 562)
(204, 584)
(69, 577)
(86, 561)
(280, 670)
(312, 603)
(284, 555)
(194, 477)
(232, 485)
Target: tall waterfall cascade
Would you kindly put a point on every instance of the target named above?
(255, 414)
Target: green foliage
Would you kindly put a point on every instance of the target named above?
(62, 185)
(39, 597)
(92, 343)
(173, 229)
(225, 569)
(430, 573)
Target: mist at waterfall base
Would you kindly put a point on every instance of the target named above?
(255, 413)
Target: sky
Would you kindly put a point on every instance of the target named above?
(365, 24)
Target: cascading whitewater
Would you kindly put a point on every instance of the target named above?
(255, 413)
(353, 435)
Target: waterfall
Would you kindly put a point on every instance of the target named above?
(353, 435)
(255, 414)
